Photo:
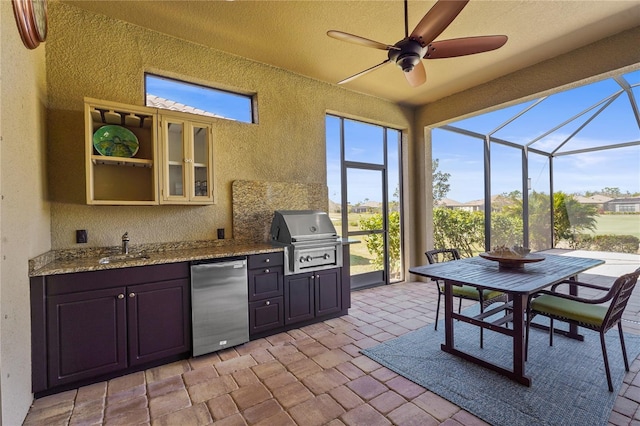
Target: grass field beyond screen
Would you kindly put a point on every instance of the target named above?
(618, 224)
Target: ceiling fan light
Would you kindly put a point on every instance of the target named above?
(408, 61)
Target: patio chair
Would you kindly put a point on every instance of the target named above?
(484, 297)
(598, 314)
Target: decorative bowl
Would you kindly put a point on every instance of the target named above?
(512, 260)
(115, 141)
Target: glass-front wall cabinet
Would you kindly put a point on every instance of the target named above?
(187, 160)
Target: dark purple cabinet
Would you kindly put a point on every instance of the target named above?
(266, 303)
(265, 315)
(299, 297)
(86, 335)
(158, 320)
(91, 325)
(328, 290)
(265, 273)
(313, 294)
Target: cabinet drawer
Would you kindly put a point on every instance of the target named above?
(266, 315)
(109, 278)
(258, 261)
(265, 283)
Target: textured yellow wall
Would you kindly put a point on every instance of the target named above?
(24, 212)
(94, 56)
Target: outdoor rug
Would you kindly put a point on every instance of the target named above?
(569, 385)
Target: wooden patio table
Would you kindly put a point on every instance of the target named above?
(518, 283)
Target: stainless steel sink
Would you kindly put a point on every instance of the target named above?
(123, 257)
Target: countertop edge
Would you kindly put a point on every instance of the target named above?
(56, 266)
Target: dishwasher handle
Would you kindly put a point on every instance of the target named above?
(219, 260)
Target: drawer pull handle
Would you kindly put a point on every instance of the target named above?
(267, 260)
(266, 271)
(132, 294)
(267, 303)
(121, 296)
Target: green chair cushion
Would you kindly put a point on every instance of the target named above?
(570, 309)
(470, 292)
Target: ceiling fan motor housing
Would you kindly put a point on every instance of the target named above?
(408, 54)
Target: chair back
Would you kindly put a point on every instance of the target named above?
(442, 255)
(620, 293)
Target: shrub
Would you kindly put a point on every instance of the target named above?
(612, 243)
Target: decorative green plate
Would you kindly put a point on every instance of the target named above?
(115, 141)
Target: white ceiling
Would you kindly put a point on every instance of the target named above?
(292, 35)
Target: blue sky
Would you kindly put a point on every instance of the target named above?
(226, 104)
(462, 156)
(364, 144)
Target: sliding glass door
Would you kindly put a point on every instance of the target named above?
(363, 176)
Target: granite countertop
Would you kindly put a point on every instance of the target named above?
(82, 260)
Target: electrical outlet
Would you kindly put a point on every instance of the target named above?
(81, 236)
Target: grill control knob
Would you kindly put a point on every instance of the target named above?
(302, 259)
(326, 256)
(309, 258)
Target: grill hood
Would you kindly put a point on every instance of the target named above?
(296, 226)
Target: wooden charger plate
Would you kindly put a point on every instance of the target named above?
(512, 262)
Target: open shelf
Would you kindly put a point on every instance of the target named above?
(121, 180)
(121, 161)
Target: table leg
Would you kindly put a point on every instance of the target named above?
(519, 306)
(448, 318)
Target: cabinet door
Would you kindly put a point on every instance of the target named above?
(187, 161)
(86, 335)
(328, 292)
(298, 298)
(158, 320)
(265, 283)
(201, 163)
(174, 160)
(266, 315)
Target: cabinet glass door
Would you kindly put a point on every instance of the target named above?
(201, 157)
(187, 161)
(175, 157)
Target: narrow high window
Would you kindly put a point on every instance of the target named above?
(176, 95)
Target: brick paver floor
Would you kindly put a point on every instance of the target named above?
(309, 376)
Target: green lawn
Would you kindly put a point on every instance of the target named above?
(618, 224)
(360, 256)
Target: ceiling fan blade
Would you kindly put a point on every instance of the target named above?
(350, 38)
(361, 73)
(437, 19)
(417, 76)
(464, 46)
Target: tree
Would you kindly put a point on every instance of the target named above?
(539, 219)
(611, 192)
(570, 217)
(375, 242)
(461, 229)
(440, 182)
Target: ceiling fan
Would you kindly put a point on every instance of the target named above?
(409, 52)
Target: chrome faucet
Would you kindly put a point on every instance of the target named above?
(125, 243)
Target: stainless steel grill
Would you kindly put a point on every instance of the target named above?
(309, 238)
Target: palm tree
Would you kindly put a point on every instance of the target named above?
(570, 217)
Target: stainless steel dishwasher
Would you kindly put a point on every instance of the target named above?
(219, 304)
